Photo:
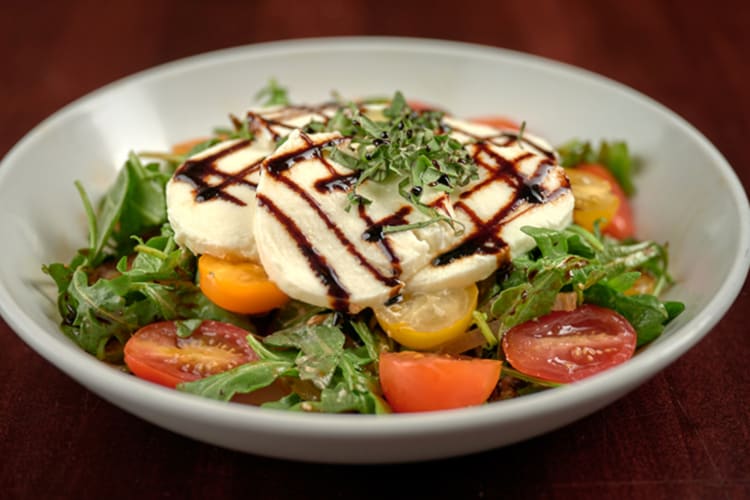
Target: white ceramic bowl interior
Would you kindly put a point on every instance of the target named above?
(687, 196)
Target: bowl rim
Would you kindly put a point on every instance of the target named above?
(117, 386)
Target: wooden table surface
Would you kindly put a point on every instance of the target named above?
(684, 434)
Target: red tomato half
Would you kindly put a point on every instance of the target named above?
(156, 353)
(565, 346)
(621, 226)
(500, 122)
(421, 105)
(422, 381)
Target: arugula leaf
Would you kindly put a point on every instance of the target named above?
(307, 352)
(597, 269)
(241, 379)
(320, 346)
(101, 313)
(273, 93)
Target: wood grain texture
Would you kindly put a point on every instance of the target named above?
(684, 434)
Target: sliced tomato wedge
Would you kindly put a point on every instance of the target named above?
(565, 346)
(621, 225)
(156, 353)
(422, 381)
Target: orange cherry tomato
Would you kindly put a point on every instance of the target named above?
(565, 346)
(422, 381)
(621, 226)
(182, 148)
(500, 122)
(156, 353)
(241, 287)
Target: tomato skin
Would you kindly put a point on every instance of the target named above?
(621, 226)
(500, 122)
(156, 353)
(421, 381)
(184, 147)
(419, 106)
(594, 199)
(241, 287)
(566, 346)
(432, 324)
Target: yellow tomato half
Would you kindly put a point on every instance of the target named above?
(423, 321)
(594, 199)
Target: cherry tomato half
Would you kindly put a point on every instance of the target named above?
(241, 287)
(423, 321)
(621, 226)
(565, 346)
(157, 354)
(422, 381)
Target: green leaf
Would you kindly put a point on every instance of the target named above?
(242, 379)
(645, 312)
(273, 94)
(321, 348)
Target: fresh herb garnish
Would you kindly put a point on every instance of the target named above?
(273, 93)
(405, 148)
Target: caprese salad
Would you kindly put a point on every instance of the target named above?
(368, 256)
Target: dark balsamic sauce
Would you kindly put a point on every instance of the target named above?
(277, 167)
(337, 293)
(374, 234)
(506, 138)
(485, 239)
(196, 172)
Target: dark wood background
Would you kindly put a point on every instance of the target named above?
(684, 434)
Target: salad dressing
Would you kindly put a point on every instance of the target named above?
(196, 172)
(483, 239)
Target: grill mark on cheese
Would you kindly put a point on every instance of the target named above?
(528, 191)
(374, 233)
(278, 167)
(196, 172)
(337, 293)
(279, 118)
(504, 138)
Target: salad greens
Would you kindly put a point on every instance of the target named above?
(132, 273)
(122, 282)
(339, 379)
(598, 271)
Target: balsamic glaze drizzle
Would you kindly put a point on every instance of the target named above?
(278, 167)
(484, 238)
(196, 172)
(505, 138)
(528, 191)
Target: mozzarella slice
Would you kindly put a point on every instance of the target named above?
(320, 250)
(315, 248)
(290, 209)
(516, 188)
(211, 200)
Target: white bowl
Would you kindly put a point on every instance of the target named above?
(687, 195)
